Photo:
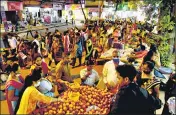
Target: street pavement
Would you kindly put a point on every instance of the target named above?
(52, 27)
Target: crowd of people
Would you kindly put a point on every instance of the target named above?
(136, 89)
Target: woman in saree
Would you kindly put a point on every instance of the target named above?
(30, 96)
(13, 86)
(94, 36)
(40, 63)
(89, 49)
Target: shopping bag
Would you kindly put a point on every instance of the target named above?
(101, 85)
(74, 85)
(74, 96)
(77, 80)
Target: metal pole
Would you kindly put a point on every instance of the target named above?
(98, 12)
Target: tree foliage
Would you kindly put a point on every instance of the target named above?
(165, 26)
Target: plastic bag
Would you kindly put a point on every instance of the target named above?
(74, 96)
(93, 107)
(77, 80)
(74, 85)
(171, 105)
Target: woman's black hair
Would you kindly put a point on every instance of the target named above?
(14, 68)
(143, 47)
(109, 35)
(58, 36)
(35, 76)
(35, 48)
(153, 48)
(148, 57)
(49, 33)
(78, 34)
(88, 63)
(36, 36)
(56, 30)
(94, 29)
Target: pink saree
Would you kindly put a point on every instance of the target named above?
(17, 85)
(45, 68)
(66, 44)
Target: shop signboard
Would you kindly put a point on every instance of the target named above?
(73, 7)
(3, 15)
(46, 5)
(93, 3)
(58, 6)
(31, 3)
(93, 9)
(15, 6)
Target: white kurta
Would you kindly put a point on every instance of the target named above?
(110, 74)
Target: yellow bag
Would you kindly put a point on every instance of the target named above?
(77, 80)
(101, 85)
(74, 96)
(74, 85)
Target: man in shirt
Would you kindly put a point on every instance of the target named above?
(63, 71)
(109, 71)
(88, 75)
(36, 40)
(132, 99)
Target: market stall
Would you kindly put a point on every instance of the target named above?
(79, 100)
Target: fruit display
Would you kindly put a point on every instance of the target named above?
(82, 100)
